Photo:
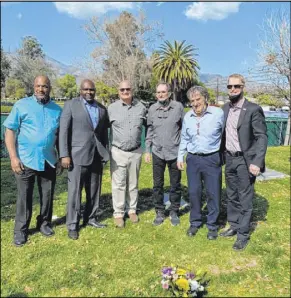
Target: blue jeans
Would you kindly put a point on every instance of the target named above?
(206, 169)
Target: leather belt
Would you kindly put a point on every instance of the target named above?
(127, 150)
(235, 154)
(204, 154)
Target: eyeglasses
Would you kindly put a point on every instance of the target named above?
(124, 89)
(234, 86)
(89, 89)
(198, 126)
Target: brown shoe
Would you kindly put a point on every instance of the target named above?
(133, 217)
(119, 222)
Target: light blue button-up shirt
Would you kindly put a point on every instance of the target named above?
(93, 112)
(201, 134)
(36, 127)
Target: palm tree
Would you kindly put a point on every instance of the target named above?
(176, 65)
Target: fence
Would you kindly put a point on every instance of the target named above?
(276, 130)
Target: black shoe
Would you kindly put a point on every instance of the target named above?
(212, 235)
(228, 233)
(46, 230)
(175, 220)
(192, 231)
(160, 217)
(240, 244)
(20, 238)
(73, 234)
(96, 224)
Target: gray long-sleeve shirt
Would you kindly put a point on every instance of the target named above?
(126, 123)
(164, 129)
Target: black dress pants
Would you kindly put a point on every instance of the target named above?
(240, 192)
(89, 177)
(46, 181)
(159, 166)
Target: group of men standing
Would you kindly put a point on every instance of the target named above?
(38, 133)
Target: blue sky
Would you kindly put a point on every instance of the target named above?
(225, 33)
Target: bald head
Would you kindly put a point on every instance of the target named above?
(87, 81)
(42, 88)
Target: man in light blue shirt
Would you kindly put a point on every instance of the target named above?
(30, 137)
(201, 138)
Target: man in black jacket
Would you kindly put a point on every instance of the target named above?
(83, 139)
(244, 144)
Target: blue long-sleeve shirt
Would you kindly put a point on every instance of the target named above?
(201, 134)
(36, 126)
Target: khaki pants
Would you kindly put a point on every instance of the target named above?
(125, 167)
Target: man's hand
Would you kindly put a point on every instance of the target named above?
(66, 162)
(147, 157)
(180, 165)
(254, 170)
(16, 165)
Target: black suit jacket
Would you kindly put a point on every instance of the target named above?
(252, 133)
(77, 137)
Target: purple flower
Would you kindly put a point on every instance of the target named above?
(167, 270)
(190, 275)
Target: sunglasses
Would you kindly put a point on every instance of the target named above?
(89, 89)
(234, 86)
(124, 89)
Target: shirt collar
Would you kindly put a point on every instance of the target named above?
(238, 104)
(40, 102)
(94, 104)
(133, 102)
(160, 107)
(208, 110)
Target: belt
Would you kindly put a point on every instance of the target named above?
(203, 154)
(235, 154)
(127, 150)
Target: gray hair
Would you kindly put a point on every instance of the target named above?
(164, 83)
(202, 90)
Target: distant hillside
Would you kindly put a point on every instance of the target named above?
(210, 80)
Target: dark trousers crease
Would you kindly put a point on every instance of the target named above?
(25, 183)
(159, 166)
(205, 169)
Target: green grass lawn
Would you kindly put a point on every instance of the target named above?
(112, 262)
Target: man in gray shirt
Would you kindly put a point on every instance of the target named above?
(164, 126)
(126, 117)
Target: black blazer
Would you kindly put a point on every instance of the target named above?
(77, 136)
(252, 133)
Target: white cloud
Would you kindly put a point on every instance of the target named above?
(211, 10)
(160, 3)
(83, 10)
(19, 16)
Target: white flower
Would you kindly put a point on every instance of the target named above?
(201, 288)
(175, 276)
(194, 285)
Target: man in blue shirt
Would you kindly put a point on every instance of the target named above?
(30, 137)
(83, 140)
(201, 138)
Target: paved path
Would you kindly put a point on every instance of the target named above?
(271, 174)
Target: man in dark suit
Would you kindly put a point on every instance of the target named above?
(83, 140)
(244, 143)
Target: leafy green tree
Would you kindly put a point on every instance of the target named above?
(269, 100)
(14, 88)
(176, 65)
(105, 93)
(5, 67)
(67, 86)
(212, 96)
(30, 62)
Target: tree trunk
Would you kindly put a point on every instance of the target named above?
(287, 136)
(175, 90)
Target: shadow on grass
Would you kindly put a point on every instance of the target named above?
(145, 202)
(17, 295)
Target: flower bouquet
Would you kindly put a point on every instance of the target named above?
(183, 283)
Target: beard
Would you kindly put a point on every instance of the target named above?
(236, 98)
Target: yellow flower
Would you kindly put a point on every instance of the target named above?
(181, 271)
(182, 284)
